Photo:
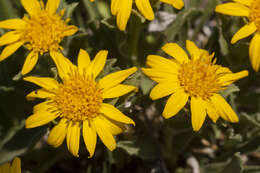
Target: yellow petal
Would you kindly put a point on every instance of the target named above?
(5, 168)
(233, 9)
(116, 78)
(159, 75)
(162, 63)
(176, 52)
(164, 89)
(254, 52)
(98, 63)
(103, 133)
(52, 6)
(145, 8)
(58, 133)
(232, 77)
(193, 49)
(73, 138)
(212, 112)
(40, 93)
(198, 112)
(39, 119)
(64, 66)
(118, 91)
(115, 6)
(123, 14)
(111, 125)
(16, 166)
(223, 70)
(12, 24)
(225, 110)
(70, 30)
(30, 62)
(43, 107)
(244, 2)
(113, 113)
(10, 49)
(45, 82)
(9, 37)
(244, 32)
(31, 6)
(175, 103)
(83, 61)
(179, 4)
(90, 137)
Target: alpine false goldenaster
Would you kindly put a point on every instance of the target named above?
(40, 32)
(198, 78)
(251, 10)
(122, 9)
(15, 167)
(78, 102)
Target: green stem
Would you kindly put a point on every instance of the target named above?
(92, 10)
(134, 35)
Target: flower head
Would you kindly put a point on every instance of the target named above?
(15, 167)
(197, 78)
(40, 32)
(78, 102)
(251, 10)
(122, 9)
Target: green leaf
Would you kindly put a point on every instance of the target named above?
(18, 140)
(229, 90)
(235, 165)
(129, 146)
(70, 9)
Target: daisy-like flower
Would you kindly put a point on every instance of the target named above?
(122, 9)
(197, 78)
(251, 10)
(78, 102)
(40, 32)
(15, 167)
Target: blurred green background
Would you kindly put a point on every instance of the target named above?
(154, 145)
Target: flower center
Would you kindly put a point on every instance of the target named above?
(43, 32)
(255, 13)
(199, 78)
(79, 98)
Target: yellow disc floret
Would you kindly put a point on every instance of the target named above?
(43, 32)
(79, 98)
(198, 77)
(255, 13)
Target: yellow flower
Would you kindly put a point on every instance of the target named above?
(122, 9)
(197, 77)
(14, 168)
(41, 31)
(251, 10)
(77, 102)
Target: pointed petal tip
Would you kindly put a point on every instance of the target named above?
(166, 115)
(234, 120)
(233, 40)
(132, 122)
(28, 124)
(245, 73)
(195, 129)
(255, 68)
(133, 69)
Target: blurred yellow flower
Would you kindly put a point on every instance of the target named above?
(40, 32)
(77, 102)
(14, 168)
(251, 10)
(197, 77)
(122, 9)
